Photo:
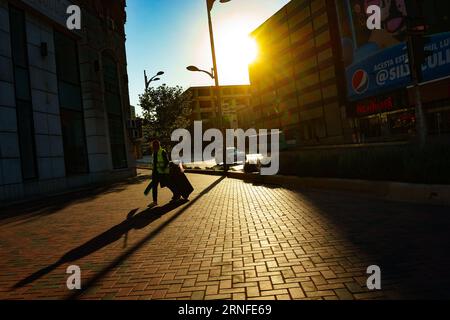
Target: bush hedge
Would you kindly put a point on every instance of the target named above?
(407, 163)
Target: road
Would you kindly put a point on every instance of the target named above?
(203, 165)
(232, 240)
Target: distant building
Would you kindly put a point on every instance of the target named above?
(64, 98)
(135, 132)
(132, 112)
(204, 104)
(245, 117)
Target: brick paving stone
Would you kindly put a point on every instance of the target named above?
(265, 285)
(198, 295)
(344, 294)
(239, 296)
(296, 293)
(235, 241)
(253, 291)
(308, 286)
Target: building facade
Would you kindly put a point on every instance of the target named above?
(381, 100)
(295, 80)
(204, 104)
(324, 78)
(64, 100)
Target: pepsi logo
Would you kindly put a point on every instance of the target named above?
(360, 81)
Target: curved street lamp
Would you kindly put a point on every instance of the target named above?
(154, 78)
(195, 69)
(211, 3)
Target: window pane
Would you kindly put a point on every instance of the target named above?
(117, 142)
(66, 59)
(26, 139)
(22, 83)
(114, 109)
(70, 96)
(226, 91)
(205, 92)
(75, 153)
(18, 37)
(110, 75)
(113, 103)
(205, 104)
(22, 87)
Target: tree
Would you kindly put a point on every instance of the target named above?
(165, 109)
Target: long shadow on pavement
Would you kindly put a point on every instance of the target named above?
(132, 221)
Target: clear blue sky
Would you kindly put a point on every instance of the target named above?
(169, 35)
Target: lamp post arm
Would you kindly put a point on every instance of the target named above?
(147, 82)
(213, 49)
(208, 73)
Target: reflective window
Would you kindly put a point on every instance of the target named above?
(71, 105)
(205, 104)
(204, 92)
(18, 37)
(72, 123)
(24, 108)
(26, 139)
(22, 83)
(117, 141)
(70, 96)
(114, 110)
(66, 59)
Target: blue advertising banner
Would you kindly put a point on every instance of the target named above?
(389, 69)
(376, 61)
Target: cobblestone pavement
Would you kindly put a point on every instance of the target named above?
(233, 240)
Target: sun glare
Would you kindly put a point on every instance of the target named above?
(236, 49)
(251, 50)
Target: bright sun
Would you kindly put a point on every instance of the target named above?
(235, 51)
(250, 49)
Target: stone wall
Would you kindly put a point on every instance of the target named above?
(97, 36)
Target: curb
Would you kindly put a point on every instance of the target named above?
(392, 191)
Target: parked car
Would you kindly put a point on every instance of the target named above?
(235, 156)
(254, 162)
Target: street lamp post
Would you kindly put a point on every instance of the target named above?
(215, 75)
(210, 4)
(421, 127)
(417, 28)
(154, 78)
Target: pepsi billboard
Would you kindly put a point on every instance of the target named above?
(376, 61)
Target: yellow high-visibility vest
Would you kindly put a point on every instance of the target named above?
(160, 163)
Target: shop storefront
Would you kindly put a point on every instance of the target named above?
(380, 99)
(391, 117)
(386, 117)
(436, 101)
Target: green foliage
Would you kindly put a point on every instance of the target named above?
(165, 109)
(389, 163)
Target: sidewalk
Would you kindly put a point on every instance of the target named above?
(233, 240)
